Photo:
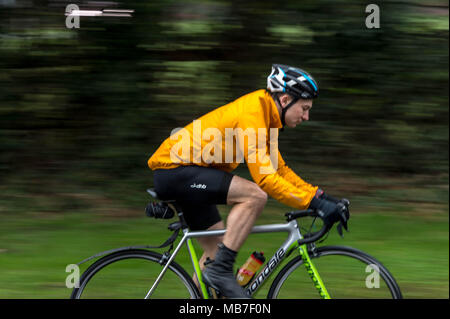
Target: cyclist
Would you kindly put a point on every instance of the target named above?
(199, 178)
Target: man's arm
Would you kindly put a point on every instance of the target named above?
(289, 175)
(287, 187)
(326, 203)
(265, 171)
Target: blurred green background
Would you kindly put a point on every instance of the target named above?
(82, 110)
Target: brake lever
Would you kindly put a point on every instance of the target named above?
(346, 202)
(342, 223)
(343, 206)
(343, 203)
(339, 230)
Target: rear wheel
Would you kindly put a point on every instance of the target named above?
(130, 274)
(346, 273)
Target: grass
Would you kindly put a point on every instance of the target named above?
(35, 248)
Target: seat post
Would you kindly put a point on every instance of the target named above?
(180, 215)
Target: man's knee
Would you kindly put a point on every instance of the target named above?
(259, 195)
(245, 191)
(258, 198)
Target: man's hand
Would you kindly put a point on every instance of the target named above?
(333, 210)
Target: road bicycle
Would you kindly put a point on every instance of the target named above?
(325, 272)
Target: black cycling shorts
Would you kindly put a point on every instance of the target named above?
(197, 190)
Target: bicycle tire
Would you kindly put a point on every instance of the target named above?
(137, 254)
(286, 272)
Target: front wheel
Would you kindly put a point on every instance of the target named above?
(130, 274)
(346, 273)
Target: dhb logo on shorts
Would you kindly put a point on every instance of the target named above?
(202, 186)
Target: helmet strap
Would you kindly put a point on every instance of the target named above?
(284, 110)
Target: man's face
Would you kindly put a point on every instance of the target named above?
(297, 113)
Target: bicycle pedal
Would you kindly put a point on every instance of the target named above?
(215, 294)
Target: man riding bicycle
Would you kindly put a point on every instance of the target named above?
(199, 177)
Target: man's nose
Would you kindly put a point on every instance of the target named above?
(306, 116)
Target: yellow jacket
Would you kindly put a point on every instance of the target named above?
(246, 128)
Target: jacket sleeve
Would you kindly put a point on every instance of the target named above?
(290, 175)
(277, 181)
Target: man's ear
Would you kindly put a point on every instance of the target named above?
(284, 100)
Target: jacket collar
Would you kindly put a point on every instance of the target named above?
(275, 119)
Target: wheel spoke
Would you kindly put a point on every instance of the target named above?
(130, 274)
(346, 273)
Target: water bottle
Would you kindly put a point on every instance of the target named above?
(249, 268)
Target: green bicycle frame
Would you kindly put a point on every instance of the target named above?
(291, 243)
(313, 273)
(197, 269)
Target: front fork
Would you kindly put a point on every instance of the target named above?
(313, 273)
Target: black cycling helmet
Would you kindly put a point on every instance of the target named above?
(293, 81)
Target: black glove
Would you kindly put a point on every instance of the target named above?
(333, 210)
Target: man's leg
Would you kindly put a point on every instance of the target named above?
(220, 187)
(248, 201)
(209, 246)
